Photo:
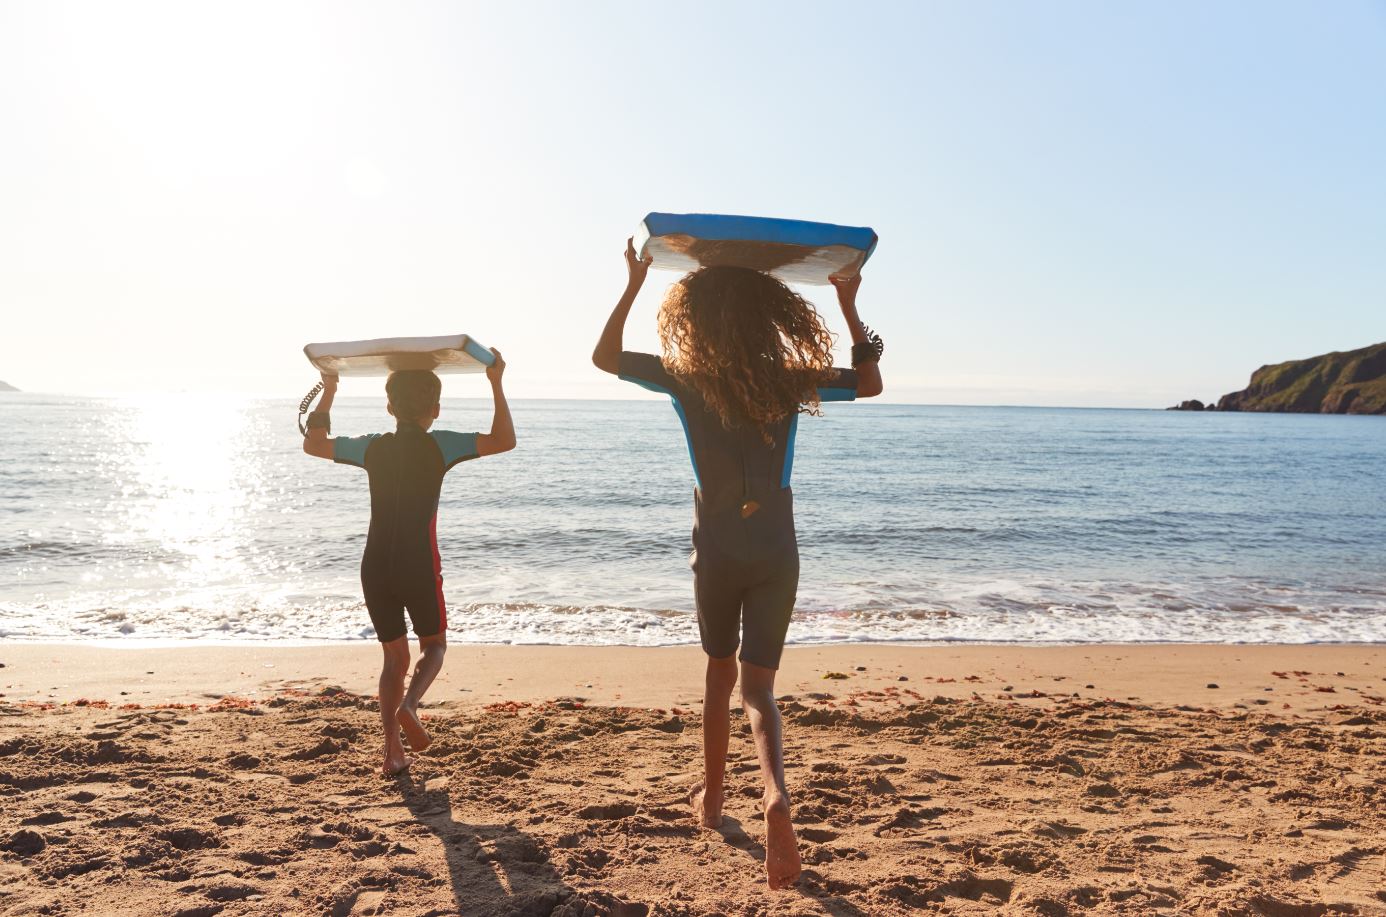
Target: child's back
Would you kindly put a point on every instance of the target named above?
(401, 567)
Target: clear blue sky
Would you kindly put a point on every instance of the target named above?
(1078, 203)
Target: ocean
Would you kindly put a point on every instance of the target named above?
(187, 518)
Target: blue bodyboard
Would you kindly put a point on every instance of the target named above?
(795, 251)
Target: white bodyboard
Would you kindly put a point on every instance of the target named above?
(449, 353)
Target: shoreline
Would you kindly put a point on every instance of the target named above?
(156, 643)
(1249, 676)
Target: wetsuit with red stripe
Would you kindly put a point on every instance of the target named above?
(401, 569)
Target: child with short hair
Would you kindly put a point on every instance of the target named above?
(401, 569)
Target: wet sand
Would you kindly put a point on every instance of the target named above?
(954, 780)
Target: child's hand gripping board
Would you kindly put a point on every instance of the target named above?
(795, 251)
(450, 353)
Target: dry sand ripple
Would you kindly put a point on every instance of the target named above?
(905, 805)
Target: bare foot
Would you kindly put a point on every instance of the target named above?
(418, 736)
(781, 846)
(707, 808)
(396, 762)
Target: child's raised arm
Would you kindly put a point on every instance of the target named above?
(317, 441)
(502, 435)
(607, 355)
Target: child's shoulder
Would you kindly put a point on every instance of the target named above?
(351, 450)
(456, 447)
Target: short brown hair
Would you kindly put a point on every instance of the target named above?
(413, 393)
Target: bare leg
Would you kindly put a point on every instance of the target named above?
(431, 651)
(717, 688)
(781, 846)
(392, 672)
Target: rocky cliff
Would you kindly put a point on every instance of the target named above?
(6, 387)
(1350, 382)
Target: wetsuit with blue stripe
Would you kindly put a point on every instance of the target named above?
(401, 569)
(745, 565)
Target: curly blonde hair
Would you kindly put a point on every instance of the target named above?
(754, 349)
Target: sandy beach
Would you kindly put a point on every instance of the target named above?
(956, 780)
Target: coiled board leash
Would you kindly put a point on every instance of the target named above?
(305, 404)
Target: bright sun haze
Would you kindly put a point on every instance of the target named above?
(1078, 204)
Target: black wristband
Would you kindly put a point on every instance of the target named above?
(869, 350)
(320, 420)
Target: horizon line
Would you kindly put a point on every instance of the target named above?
(871, 401)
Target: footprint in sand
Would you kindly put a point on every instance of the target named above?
(1349, 861)
(340, 731)
(273, 857)
(584, 863)
(25, 843)
(1329, 824)
(1058, 831)
(879, 760)
(189, 839)
(918, 892)
(359, 903)
(328, 746)
(878, 785)
(232, 891)
(909, 819)
(609, 812)
(1276, 907)
(200, 910)
(1214, 867)
(1027, 860)
(319, 839)
(828, 783)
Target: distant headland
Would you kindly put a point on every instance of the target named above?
(1342, 382)
(6, 387)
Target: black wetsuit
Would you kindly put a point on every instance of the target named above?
(401, 569)
(745, 567)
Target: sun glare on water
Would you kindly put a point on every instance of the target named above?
(188, 481)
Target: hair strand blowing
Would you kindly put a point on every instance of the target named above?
(754, 349)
